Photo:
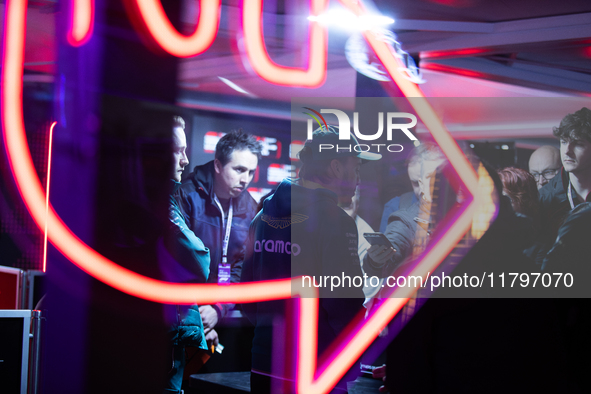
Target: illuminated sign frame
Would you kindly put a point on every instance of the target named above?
(357, 337)
(149, 18)
(252, 29)
(81, 22)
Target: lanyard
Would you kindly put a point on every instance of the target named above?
(570, 195)
(226, 241)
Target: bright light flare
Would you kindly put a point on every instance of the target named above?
(347, 20)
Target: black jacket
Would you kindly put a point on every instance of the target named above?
(302, 231)
(184, 259)
(205, 220)
(571, 252)
(554, 208)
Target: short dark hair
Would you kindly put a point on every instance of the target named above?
(314, 168)
(236, 140)
(575, 126)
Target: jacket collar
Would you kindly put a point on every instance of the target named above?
(174, 186)
(203, 177)
(565, 180)
(557, 185)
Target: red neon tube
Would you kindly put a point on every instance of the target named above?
(153, 24)
(311, 77)
(49, 147)
(59, 234)
(81, 21)
(360, 337)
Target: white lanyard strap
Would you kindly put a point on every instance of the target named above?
(570, 195)
(226, 241)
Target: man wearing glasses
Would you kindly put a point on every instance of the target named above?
(544, 164)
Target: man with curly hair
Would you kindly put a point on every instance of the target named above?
(571, 188)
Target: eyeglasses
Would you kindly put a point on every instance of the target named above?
(547, 174)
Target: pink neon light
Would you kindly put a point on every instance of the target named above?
(307, 344)
(81, 22)
(151, 20)
(47, 194)
(453, 53)
(59, 234)
(358, 338)
(313, 76)
(453, 70)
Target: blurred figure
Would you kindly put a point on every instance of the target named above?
(570, 255)
(407, 199)
(363, 245)
(362, 225)
(572, 250)
(185, 259)
(219, 209)
(520, 187)
(302, 231)
(408, 228)
(469, 345)
(544, 164)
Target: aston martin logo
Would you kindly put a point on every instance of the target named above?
(285, 221)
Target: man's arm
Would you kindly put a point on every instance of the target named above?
(401, 235)
(185, 247)
(210, 316)
(390, 207)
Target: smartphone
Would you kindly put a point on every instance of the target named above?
(377, 239)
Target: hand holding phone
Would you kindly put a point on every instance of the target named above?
(381, 250)
(377, 239)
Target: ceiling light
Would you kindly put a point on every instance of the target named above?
(347, 20)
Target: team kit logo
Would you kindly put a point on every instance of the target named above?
(395, 122)
(278, 245)
(283, 222)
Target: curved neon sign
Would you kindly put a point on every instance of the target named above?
(150, 18)
(81, 21)
(266, 68)
(59, 234)
(49, 148)
(309, 378)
